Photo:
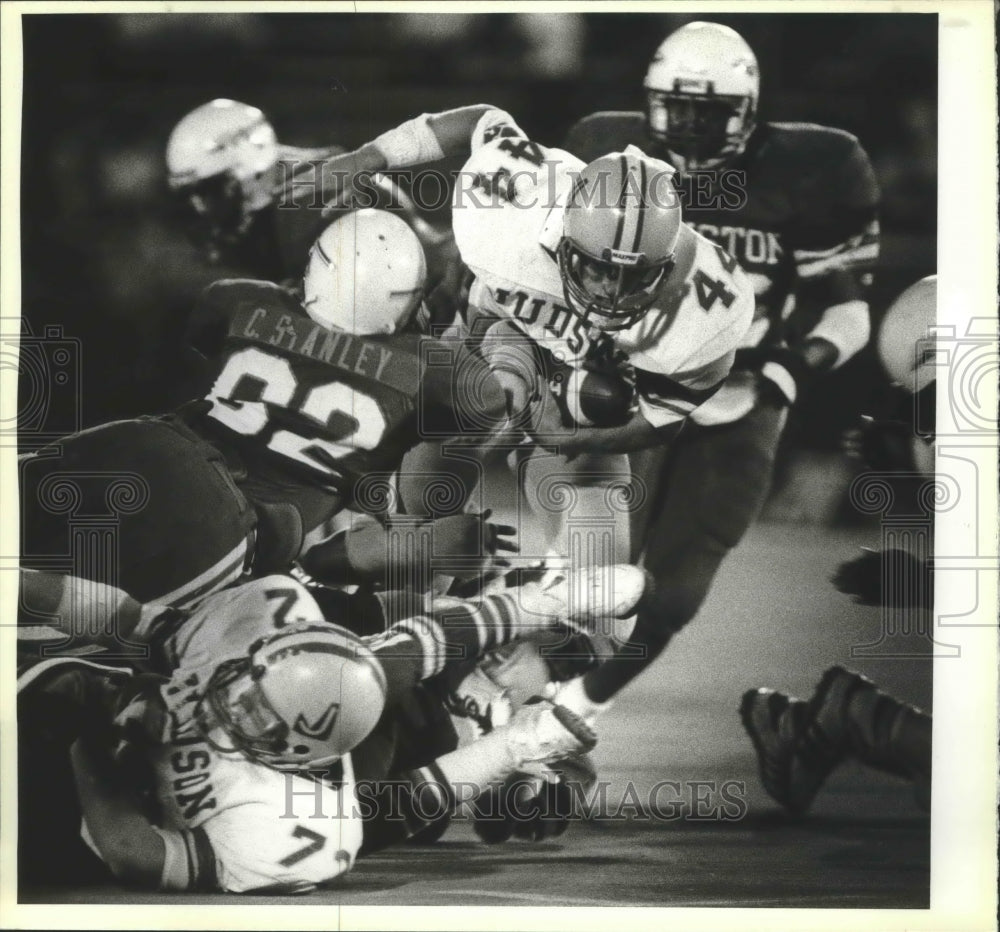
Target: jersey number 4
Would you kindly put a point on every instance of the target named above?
(708, 289)
(252, 379)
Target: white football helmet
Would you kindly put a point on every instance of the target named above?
(221, 159)
(906, 340)
(366, 274)
(300, 699)
(702, 89)
(620, 230)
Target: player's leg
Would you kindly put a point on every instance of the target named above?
(539, 734)
(436, 480)
(716, 483)
(144, 505)
(799, 743)
(57, 700)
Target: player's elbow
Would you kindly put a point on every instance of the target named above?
(135, 859)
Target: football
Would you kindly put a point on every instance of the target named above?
(592, 399)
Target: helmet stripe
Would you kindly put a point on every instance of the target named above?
(621, 205)
(643, 185)
(322, 252)
(358, 652)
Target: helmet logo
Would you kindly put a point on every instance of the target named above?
(620, 257)
(693, 86)
(320, 728)
(243, 134)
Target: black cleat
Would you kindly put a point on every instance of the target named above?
(796, 747)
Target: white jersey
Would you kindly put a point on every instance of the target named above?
(242, 825)
(507, 215)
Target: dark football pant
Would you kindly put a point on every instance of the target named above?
(144, 505)
(704, 491)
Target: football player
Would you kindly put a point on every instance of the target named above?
(795, 206)
(310, 410)
(249, 738)
(591, 263)
(799, 743)
(582, 259)
(226, 168)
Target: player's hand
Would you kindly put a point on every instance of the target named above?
(140, 720)
(446, 278)
(342, 182)
(892, 578)
(459, 536)
(880, 444)
(546, 426)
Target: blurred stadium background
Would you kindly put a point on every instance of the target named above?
(102, 258)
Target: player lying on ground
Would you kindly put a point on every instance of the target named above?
(227, 168)
(800, 743)
(310, 411)
(244, 745)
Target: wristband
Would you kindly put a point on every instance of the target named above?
(782, 379)
(783, 368)
(410, 143)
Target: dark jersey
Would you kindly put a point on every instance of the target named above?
(276, 246)
(323, 406)
(797, 211)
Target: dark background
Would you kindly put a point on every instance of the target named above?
(101, 257)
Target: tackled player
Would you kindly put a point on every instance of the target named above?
(242, 743)
(233, 484)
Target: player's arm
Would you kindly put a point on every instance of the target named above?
(73, 605)
(410, 549)
(426, 138)
(664, 404)
(835, 248)
(635, 434)
(135, 851)
(399, 808)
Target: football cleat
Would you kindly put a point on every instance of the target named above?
(600, 599)
(549, 744)
(799, 743)
(796, 748)
(530, 806)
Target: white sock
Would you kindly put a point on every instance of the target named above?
(573, 697)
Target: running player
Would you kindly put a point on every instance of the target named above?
(795, 205)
